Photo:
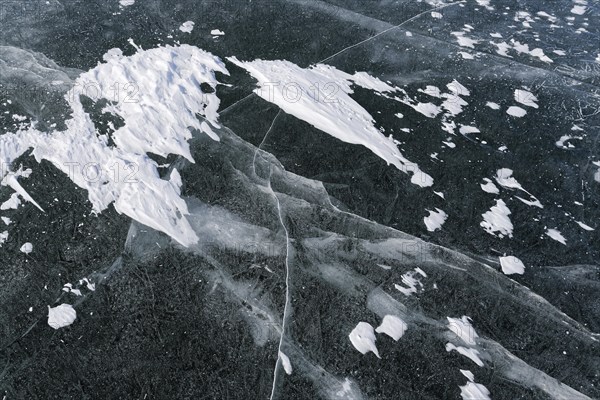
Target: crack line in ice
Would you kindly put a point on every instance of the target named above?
(387, 30)
(287, 254)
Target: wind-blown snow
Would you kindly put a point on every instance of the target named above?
(329, 108)
(511, 265)
(158, 118)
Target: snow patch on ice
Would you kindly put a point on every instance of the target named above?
(26, 248)
(292, 89)
(187, 26)
(463, 329)
(489, 186)
(556, 235)
(516, 111)
(435, 219)
(285, 361)
(159, 120)
(392, 326)
(496, 221)
(61, 316)
(363, 338)
(471, 354)
(512, 265)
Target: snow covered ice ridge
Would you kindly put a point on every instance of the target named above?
(159, 120)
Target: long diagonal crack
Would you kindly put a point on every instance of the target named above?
(286, 307)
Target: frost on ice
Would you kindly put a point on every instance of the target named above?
(61, 316)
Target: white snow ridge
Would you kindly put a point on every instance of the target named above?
(170, 97)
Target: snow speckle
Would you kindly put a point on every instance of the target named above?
(217, 32)
(512, 265)
(26, 248)
(392, 326)
(285, 361)
(516, 111)
(61, 316)
(187, 27)
(578, 9)
(492, 105)
(6, 220)
(435, 219)
(466, 55)
(125, 3)
(556, 235)
(436, 15)
(363, 338)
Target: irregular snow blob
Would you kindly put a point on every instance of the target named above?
(61, 316)
(435, 219)
(320, 96)
(512, 265)
(463, 329)
(26, 248)
(392, 326)
(285, 361)
(187, 27)
(363, 338)
(556, 235)
(516, 111)
(496, 220)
